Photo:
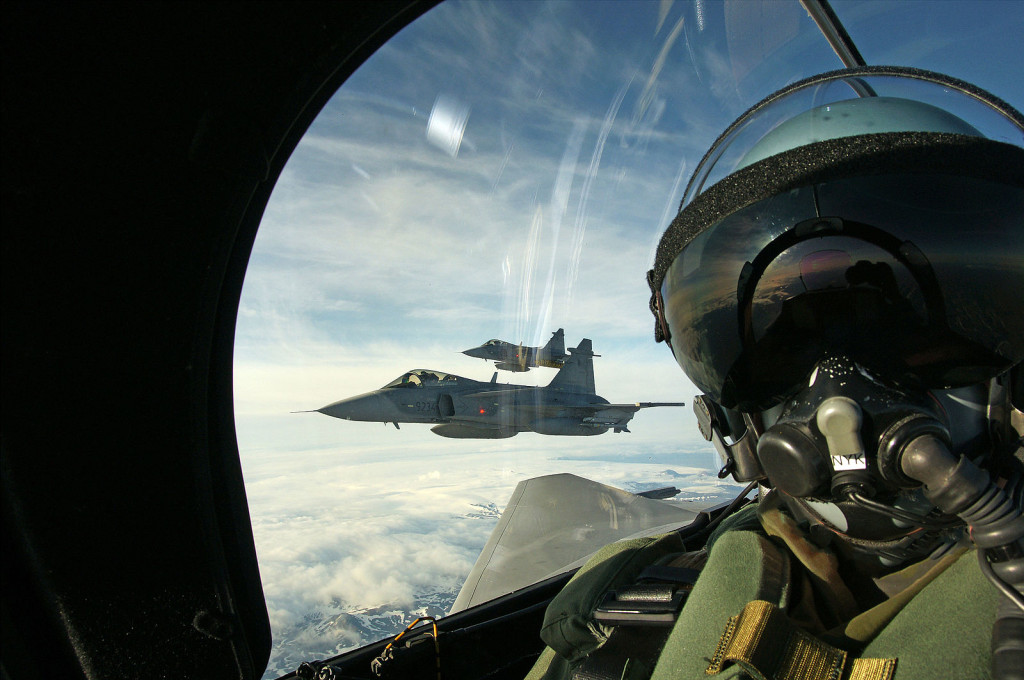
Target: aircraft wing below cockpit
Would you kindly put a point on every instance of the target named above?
(555, 523)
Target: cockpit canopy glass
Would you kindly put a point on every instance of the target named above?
(502, 170)
(421, 377)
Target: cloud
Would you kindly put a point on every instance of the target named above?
(379, 253)
(346, 532)
(357, 240)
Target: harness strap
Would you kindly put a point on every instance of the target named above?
(655, 599)
(629, 653)
(766, 644)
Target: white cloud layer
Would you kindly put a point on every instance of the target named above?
(357, 531)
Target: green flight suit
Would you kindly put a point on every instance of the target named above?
(935, 623)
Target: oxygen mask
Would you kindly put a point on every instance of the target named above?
(833, 451)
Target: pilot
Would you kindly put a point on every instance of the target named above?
(845, 285)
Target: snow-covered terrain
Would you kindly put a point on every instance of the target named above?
(352, 553)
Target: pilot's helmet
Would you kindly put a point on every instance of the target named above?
(859, 233)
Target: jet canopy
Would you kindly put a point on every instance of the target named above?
(421, 377)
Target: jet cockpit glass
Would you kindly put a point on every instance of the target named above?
(527, 157)
(419, 378)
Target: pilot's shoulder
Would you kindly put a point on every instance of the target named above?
(744, 519)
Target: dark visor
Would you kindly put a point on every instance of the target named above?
(919, 275)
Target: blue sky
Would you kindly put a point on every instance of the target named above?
(380, 252)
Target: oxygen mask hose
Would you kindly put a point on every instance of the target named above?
(958, 486)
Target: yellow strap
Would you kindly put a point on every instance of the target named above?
(870, 669)
(764, 642)
(387, 654)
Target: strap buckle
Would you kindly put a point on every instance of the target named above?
(655, 600)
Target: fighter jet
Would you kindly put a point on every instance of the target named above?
(512, 357)
(469, 409)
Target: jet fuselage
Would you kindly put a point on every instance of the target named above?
(469, 409)
(472, 404)
(509, 356)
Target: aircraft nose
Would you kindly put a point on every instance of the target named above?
(369, 407)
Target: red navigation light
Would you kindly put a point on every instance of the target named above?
(483, 411)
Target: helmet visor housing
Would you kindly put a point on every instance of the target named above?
(902, 249)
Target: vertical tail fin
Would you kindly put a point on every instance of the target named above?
(555, 349)
(577, 373)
